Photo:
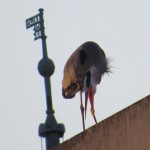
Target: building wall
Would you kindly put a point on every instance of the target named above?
(128, 129)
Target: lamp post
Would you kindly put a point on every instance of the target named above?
(51, 130)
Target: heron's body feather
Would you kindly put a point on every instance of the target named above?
(86, 56)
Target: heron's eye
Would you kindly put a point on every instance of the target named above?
(82, 57)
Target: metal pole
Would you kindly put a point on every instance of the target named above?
(51, 130)
(43, 36)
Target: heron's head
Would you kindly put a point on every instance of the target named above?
(67, 94)
(71, 91)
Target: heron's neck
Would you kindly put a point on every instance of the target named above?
(89, 81)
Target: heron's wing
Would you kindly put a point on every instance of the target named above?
(77, 66)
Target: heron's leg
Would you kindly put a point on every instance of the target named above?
(82, 111)
(91, 97)
(86, 100)
(93, 113)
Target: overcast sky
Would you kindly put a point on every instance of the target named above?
(121, 28)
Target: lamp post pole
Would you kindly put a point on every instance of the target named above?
(51, 130)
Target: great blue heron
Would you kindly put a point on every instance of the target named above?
(82, 72)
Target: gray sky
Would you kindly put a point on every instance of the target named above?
(121, 28)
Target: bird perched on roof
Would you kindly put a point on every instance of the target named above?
(82, 72)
